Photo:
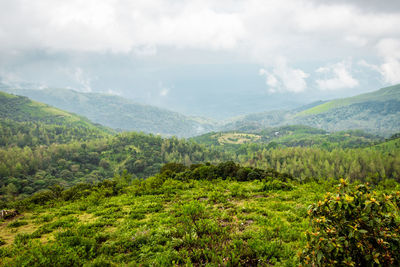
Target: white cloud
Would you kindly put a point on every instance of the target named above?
(117, 25)
(251, 31)
(389, 50)
(141, 26)
(337, 76)
(82, 79)
(284, 78)
(164, 90)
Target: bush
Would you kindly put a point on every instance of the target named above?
(277, 185)
(16, 224)
(354, 227)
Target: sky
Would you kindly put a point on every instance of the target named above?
(203, 57)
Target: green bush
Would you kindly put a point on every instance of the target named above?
(16, 224)
(354, 227)
(277, 185)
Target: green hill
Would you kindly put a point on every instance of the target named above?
(289, 136)
(26, 122)
(377, 112)
(120, 113)
(391, 93)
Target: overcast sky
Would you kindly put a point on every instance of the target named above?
(170, 52)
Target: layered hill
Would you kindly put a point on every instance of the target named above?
(26, 122)
(377, 112)
(120, 113)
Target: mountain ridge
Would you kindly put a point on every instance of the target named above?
(120, 113)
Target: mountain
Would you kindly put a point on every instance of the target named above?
(26, 122)
(377, 112)
(120, 113)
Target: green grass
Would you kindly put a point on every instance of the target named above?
(387, 93)
(196, 222)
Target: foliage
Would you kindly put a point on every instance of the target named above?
(355, 227)
(223, 170)
(289, 136)
(165, 221)
(24, 171)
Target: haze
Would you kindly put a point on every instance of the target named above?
(210, 58)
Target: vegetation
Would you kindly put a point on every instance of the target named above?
(289, 136)
(173, 221)
(120, 113)
(354, 226)
(75, 193)
(27, 170)
(375, 112)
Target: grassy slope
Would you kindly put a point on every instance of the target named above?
(376, 112)
(151, 228)
(23, 109)
(384, 94)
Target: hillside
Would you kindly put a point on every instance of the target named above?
(26, 170)
(288, 136)
(377, 112)
(188, 217)
(26, 122)
(120, 113)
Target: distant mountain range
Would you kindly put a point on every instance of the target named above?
(377, 112)
(119, 113)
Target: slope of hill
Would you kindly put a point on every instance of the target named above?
(25, 122)
(289, 136)
(120, 113)
(377, 112)
(223, 215)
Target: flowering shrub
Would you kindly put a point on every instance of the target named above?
(354, 227)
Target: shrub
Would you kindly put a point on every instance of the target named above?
(16, 224)
(277, 185)
(354, 227)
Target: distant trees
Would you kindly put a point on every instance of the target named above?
(35, 168)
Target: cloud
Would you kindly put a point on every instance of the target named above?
(250, 31)
(141, 26)
(389, 50)
(337, 76)
(164, 91)
(10, 78)
(118, 26)
(389, 68)
(82, 79)
(283, 78)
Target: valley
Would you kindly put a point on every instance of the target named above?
(79, 193)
